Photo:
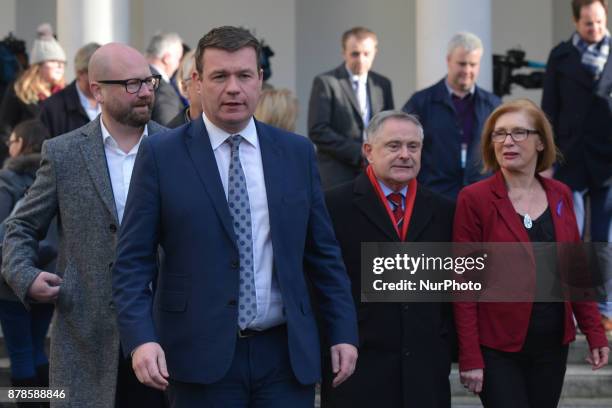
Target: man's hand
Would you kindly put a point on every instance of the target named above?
(149, 364)
(472, 379)
(343, 359)
(598, 357)
(45, 287)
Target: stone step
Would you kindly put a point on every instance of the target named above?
(474, 402)
(580, 382)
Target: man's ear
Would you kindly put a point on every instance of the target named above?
(366, 151)
(195, 78)
(165, 57)
(96, 91)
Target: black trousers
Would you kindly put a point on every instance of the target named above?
(530, 378)
(131, 393)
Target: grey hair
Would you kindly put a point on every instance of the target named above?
(83, 55)
(468, 41)
(161, 43)
(381, 117)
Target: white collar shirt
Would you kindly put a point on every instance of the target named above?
(120, 167)
(269, 298)
(91, 111)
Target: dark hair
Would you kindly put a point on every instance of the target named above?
(359, 33)
(227, 38)
(577, 5)
(33, 133)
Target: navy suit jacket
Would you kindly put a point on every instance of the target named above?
(176, 200)
(441, 158)
(580, 110)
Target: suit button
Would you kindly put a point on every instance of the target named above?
(235, 264)
(406, 308)
(112, 228)
(232, 302)
(406, 353)
(111, 305)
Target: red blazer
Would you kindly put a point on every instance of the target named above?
(485, 214)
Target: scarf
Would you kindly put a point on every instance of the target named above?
(594, 56)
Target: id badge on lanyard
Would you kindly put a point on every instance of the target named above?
(463, 154)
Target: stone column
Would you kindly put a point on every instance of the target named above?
(436, 22)
(83, 21)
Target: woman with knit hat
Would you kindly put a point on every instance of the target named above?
(41, 79)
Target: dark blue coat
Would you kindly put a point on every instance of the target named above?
(441, 158)
(580, 110)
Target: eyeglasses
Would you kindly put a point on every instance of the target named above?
(517, 134)
(133, 85)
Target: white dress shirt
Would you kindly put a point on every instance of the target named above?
(267, 292)
(360, 87)
(120, 166)
(91, 111)
(386, 191)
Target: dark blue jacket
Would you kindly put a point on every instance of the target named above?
(177, 200)
(441, 158)
(580, 110)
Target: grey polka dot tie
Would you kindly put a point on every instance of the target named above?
(238, 201)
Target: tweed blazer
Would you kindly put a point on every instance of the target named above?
(73, 183)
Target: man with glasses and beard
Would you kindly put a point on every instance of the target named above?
(83, 180)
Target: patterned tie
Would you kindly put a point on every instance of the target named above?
(398, 212)
(238, 201)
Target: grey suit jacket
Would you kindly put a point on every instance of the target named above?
(335, 124)
(73, 183)
(168, 103)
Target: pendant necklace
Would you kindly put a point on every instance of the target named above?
(527, 221)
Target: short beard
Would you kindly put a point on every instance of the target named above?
(132, 118)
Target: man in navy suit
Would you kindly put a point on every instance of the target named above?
(237, 208)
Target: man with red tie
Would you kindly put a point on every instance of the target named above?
(407, 342)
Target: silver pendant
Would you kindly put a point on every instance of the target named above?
(527, 221)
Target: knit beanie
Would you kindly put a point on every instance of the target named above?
(45, 47)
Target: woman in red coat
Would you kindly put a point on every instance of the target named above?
(515, 354)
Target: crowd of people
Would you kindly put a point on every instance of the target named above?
(160, 208)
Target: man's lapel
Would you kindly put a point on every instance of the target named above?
(203, 158)
(574, 68)
(369, 204)
(421, 215)
(377, 99)
(347, 87)
(274, 175)
(92, 149)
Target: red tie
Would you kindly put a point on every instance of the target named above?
(398, 212)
